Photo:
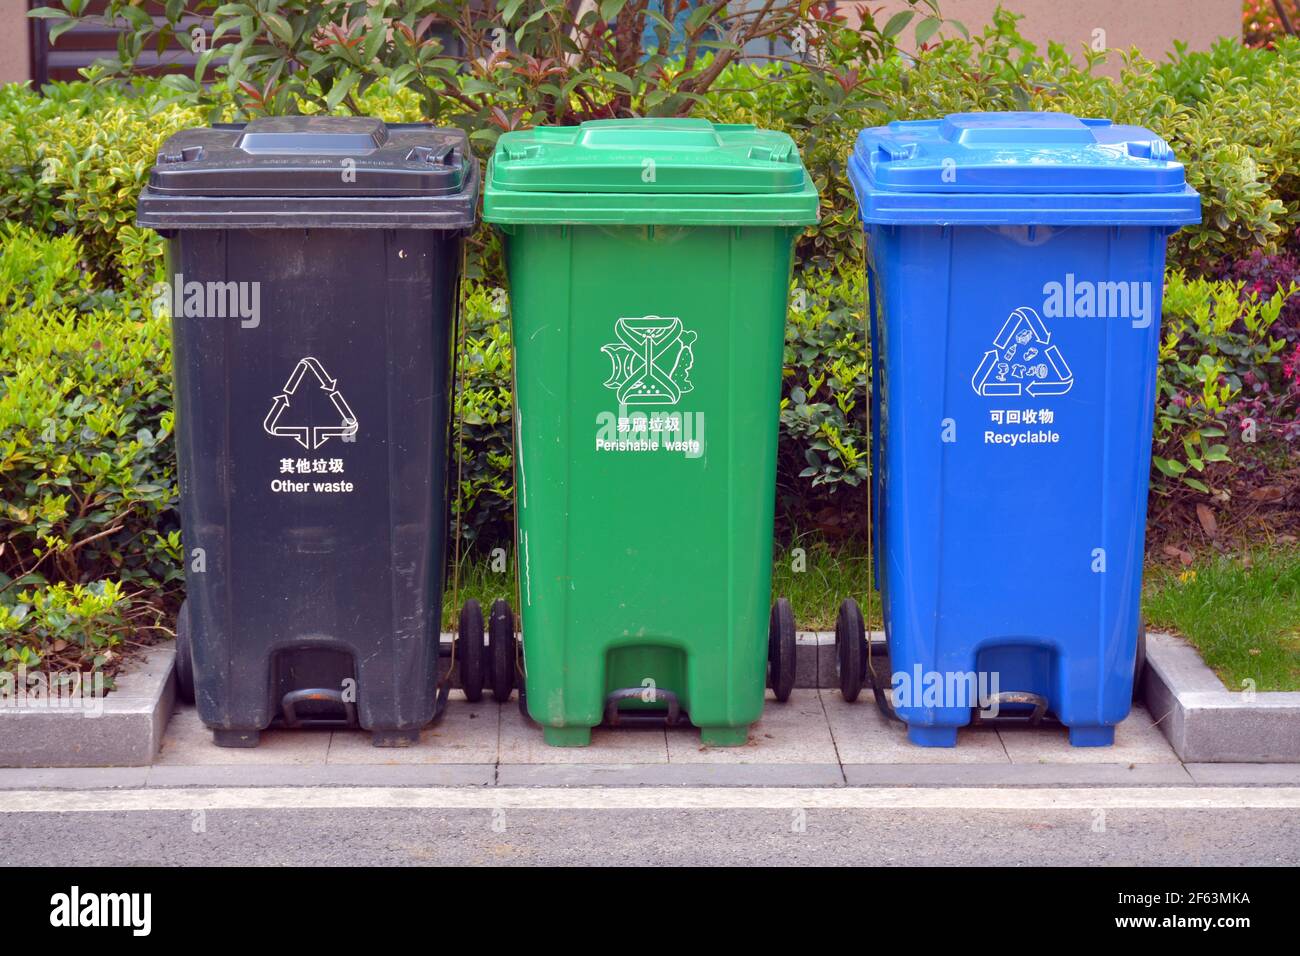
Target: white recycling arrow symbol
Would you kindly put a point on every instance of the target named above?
(311, 436)
(1023, 361)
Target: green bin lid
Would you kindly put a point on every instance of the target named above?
(672, 171)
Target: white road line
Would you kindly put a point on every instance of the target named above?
(648, 798)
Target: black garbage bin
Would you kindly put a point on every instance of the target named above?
(312, 278)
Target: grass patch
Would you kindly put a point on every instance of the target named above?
(816, 577)
(1242, 613)
(486, 578)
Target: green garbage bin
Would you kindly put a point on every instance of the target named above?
(649, 267)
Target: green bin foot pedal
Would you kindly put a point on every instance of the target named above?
(724, 736)
(567, 736)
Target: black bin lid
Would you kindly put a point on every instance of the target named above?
(336, 171)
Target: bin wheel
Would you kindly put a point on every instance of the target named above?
(184, 655)
(469, 651)
(501, 650)
(523, 700)
(850, 649)
(1140, 660)
(781, 649)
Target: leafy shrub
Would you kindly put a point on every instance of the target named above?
(1215, 344)
(38, 271)
(1242, 148)
(87, 470)
(485, 420)
(825, 431)
(62, 172)
(1183, 77)
(66, 628)
(823, 121)
(1239, 143)
(1267, 275)
(489, 66)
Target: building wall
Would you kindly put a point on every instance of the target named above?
(14, 52)
(1150, 25)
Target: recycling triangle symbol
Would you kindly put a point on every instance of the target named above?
(311, 436)
(1023, 361)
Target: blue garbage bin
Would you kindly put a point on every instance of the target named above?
(1015, 269)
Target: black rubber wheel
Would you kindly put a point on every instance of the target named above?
(781, 650)
(184, 655)
(1140, 661)
(469, 651)
(523, 700)
(501, 650)
(850, 649)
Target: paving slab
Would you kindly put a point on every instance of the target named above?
(1137, 740)
(864, 736)
(671, 775)
(189, 743)
(1245, 774)
(1022, 774)
(326, 775)
(795, 732)
(74, 778)
(466, 734)
(521, 743)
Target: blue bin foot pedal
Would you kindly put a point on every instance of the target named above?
(236, 738)
(933, 736)
(1092, 736)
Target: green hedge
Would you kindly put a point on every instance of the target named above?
(87, 465)
(1232, 116)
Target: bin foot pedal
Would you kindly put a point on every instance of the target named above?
(236, 738)
(292, 701)
(724, 736)
(932, 736)
(394, 738)
(567, 736)
(670, 717)
(1092, 736)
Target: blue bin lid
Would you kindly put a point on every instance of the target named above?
(1019, 168)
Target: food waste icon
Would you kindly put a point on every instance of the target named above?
(651, 361)
(343, 426)
(1023, 361)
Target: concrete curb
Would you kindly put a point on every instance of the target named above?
(649, 775)
(1207, 723)
(655, 775)
(127, 733)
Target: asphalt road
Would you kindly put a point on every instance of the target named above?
(682, 826)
